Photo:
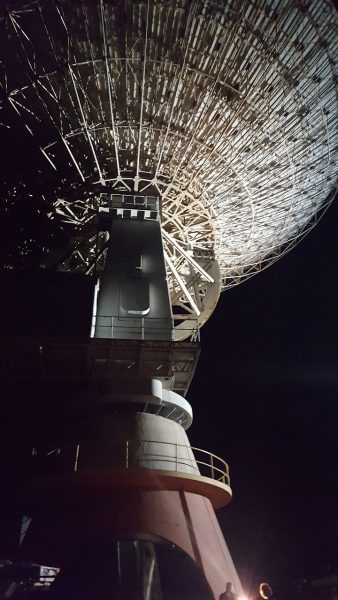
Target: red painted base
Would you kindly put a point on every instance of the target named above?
(64, 522)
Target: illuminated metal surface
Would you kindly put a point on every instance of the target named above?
(228, 110)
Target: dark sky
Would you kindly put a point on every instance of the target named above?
(265, 399)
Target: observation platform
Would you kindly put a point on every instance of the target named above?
(143, 465)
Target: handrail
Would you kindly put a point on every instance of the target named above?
(74, 457)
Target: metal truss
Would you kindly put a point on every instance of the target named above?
(225, 109)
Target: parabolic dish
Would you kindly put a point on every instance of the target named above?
(226, 109)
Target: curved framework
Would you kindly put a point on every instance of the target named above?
(227, 110)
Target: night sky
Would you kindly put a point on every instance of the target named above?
(265, 399)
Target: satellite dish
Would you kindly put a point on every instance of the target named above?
(226, 112)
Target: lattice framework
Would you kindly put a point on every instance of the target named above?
(228, 110)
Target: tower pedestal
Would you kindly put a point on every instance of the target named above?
(90, 517)
(117, 498)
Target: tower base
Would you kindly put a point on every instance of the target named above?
(166, 541)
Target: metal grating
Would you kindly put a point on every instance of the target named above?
(60, 359)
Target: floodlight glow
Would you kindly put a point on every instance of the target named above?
(265, 591)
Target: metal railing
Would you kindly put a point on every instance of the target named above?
(132, 454)
(142, 327)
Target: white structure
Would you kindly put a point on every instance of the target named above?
(226, 109)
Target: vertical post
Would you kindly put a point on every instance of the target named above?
(127, 454)
(77, 452)
(212, 465)
(176, 456)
